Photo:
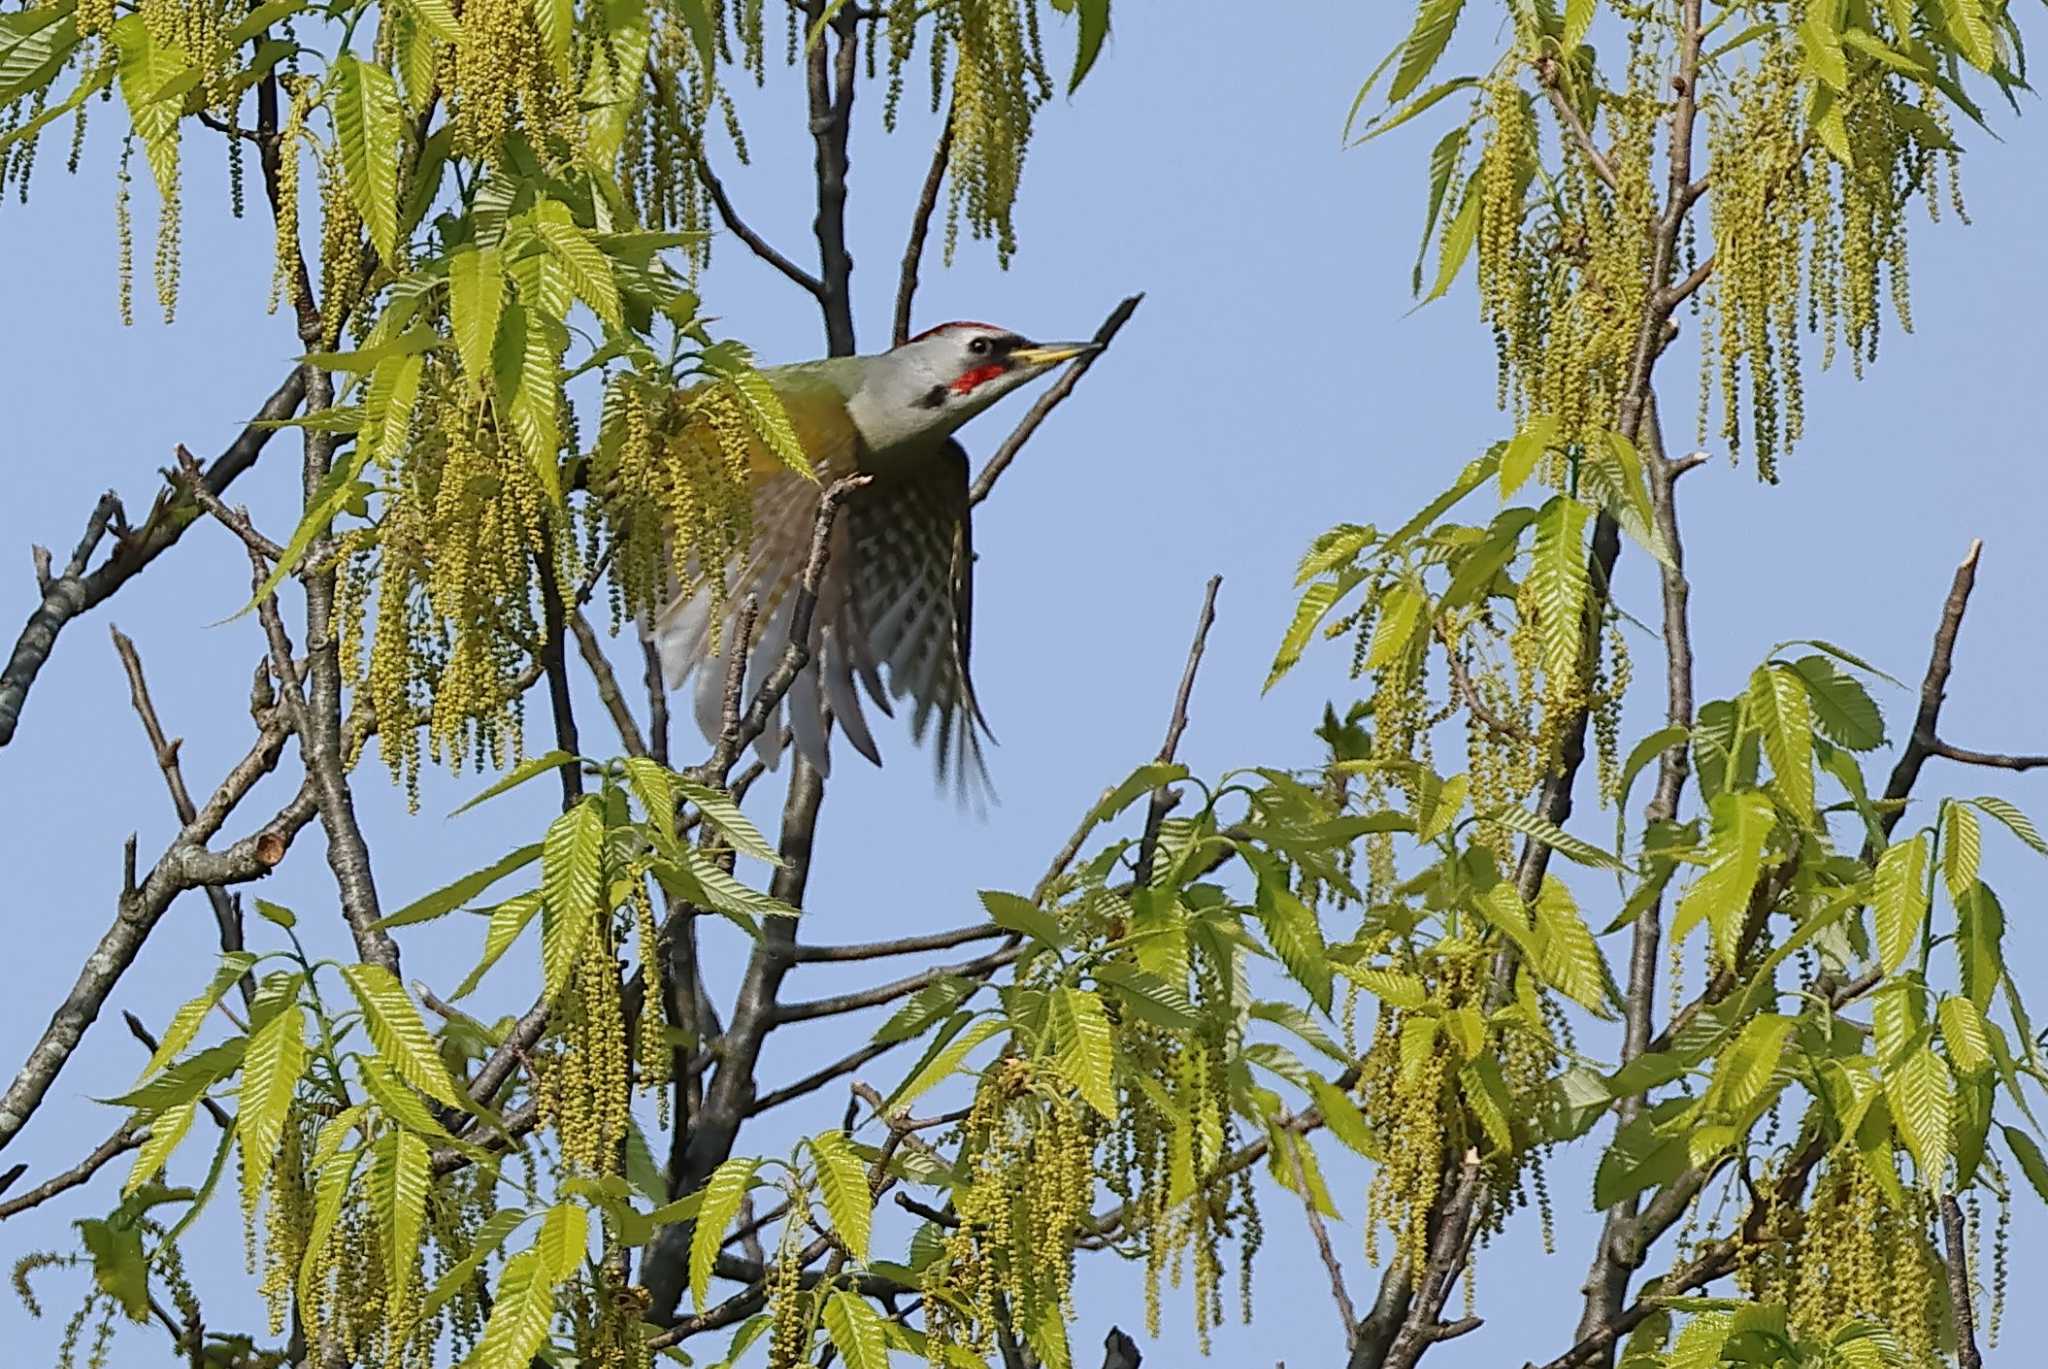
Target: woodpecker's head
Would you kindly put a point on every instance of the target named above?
(944, 376)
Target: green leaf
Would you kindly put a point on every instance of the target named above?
(185, 1023)
(400, 1174)
(943, 1061)
(438, 17)
(590, 274)
(555, 21)
(1963, 1031)
(1842, 708)
(1143, 780)
(572, 862)
(1022, 915)
(722, 813)
(492, 1234)
(1316, 602)
(270, 1076)
(1486, 1091)
(1343, 1118)
(166, 1130)
(1980, 932)
(1962, 848)
(1578, 18)
(1294, 932)
(118, 1265)
(1537, 436)
(187, 1079)
(1568, 957)
(925, 1007)
(856, 1330)
(1821, 35)
(843, 1180)
(147, 73)
(1744, 1071)
(524, 1303)
(476, 303)
(2030, 1158)
(1923, 1106)
(723, 1195)
(367, 125)
(395, 1029)
(1778, 703)
(1094, 19)
(1302, 1025)
(449, 897)
(727, 894)
(1558, 587)
(1457, 240)
(1435, 21)
(1742, 823)
(2015, 820)
(508, 920)
(520, 774)
(1086, 1052)
(1971, 31)
(1899, 900)
(1400, 609)
(333, 496)
(1555, 837)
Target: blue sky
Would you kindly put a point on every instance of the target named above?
(1272, 383)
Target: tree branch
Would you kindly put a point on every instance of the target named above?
(908, 945)
(1967, 1354)
(1162, 798)
(920, 226)
(608, 691)
(895, 989)
(128, 1136)
(985, 483)
(77, 592)
(759, 245)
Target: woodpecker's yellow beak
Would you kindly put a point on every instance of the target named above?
(1053, 353)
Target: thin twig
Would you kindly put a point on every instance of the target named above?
(227, 914)
(77, 591)
(737, 226)
(1547, 73)
(1162, 798)
(1967, 1354)
(1461, 683)
(906, 945)
(128, 1136)
(920, 226)
(899, 988)
(985, 483)
(1321, 1233)
(608, 691)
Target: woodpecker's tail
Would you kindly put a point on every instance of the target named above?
(897, 596)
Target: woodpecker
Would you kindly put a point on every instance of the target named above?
(897, 596)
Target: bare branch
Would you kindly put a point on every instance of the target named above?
(1461, 682)
(895, 989)
(191, 478)
(737, 226)
(608, 691)
(128, 1136)
(907, 945)
(820, 1077)
(1050, 400)
(227, 914)
(1967, 1354)
(187, 864)
(1547, 73)
(1989, 759)
(920, 225)
(1321, 1233)
(77, 592)
(1162, 798)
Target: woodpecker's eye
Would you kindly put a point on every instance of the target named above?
(978, 346)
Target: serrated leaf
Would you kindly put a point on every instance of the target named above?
(1971, 31)
(1923, 1106)
(723, 1194)
(1302, 1025)
(1400, 609)
(368, 123)
(166, 1130)
(270, 1076)
(1087, 1053)
(492, 1234)
(1578, 18)
(928, 1005)
(395, 1029)
(1456, 243)
(1435, 21)
(522, 1310)
(1962, 848)
(1486, 1092)
(1899, 900)
(1144, 994)
(572, 864)
(185, 1023)
(721, 812)
(1316, 602)
(590, 274)
(1778, 703)
(449, 897)
(943, 1061)
(1558, 587)
(1295, 934)
(1555, 837)
(519, 774)
(856, 1330)
(1017, 914)
(1343, 1118)
(2031, 1161)
(508, 920)
(438, 17)
(1962, 1030)
(843, 1180)
(1842, 707)
(1536, 436)
(1744, 1071)
(1742, 824)
(727, 894)
(187, 1079)
(1568, 957)
(1094, 28)
(1820, 35)
(2015, 820)
(476, 304)
(400, 1174)
(555, 22)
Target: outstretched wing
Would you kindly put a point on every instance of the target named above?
(896, 600)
